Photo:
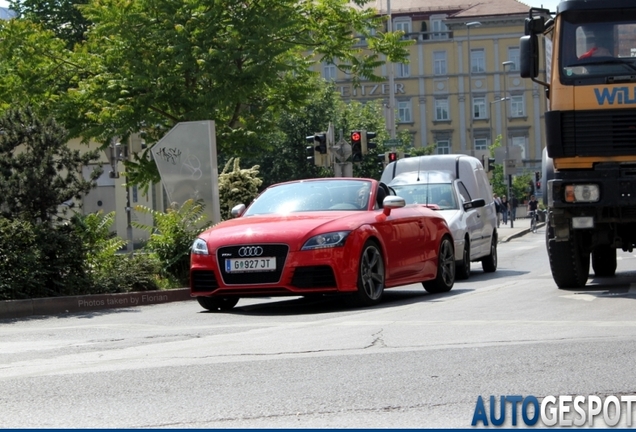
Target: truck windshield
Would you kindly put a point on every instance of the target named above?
(598, 47)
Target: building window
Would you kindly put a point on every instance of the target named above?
(443, 146)
(441, 110)
(402, 70)
(403, 26)
(477, 61)
(329, 71)
(479, 107)
(439, 63)
(404, 111)
(438, 28)
(513, 56)
(481, 143)
(517, 106)
(520, 141)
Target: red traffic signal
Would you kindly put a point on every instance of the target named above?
(393, 156)
(356, 136)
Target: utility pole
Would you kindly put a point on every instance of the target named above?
(507, 174)
(390, 64)
(471, 139)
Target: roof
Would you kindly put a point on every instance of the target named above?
(455, 8)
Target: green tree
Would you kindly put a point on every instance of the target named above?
(38, 172)
(149, 64)
(62, 17)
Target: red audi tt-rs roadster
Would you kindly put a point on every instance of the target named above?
(349, 236)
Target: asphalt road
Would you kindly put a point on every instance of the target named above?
(415, 361)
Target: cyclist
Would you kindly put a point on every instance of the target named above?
(533, 205)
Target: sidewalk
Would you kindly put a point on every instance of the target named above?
(12, 309)
(521, 227)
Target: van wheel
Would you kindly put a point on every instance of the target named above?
(463, 268)
(489, 263)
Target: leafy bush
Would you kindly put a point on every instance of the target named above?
(19, 274)
(172, 236)
(238, 186)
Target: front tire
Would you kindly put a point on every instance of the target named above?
(570, 265)
(604, 261)
(489, 263)
(463, 268)
(445, 278)
(216, 304)
(370, 275)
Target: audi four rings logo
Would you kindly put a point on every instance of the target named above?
(250, 251)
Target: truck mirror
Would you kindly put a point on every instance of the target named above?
(534, 25)
(529, 56)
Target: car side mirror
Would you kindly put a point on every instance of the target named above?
(238, 210)
(392, 202)
(476, 203)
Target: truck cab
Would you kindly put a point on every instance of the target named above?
(589, 162)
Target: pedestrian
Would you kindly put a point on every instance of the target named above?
(505, 208)
(498, 208)
(514, 203)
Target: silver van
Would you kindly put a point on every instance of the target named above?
(457, 186)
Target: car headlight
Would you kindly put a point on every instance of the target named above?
(200, 247)
(582, 193)
(327, 240)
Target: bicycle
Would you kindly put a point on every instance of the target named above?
(533, 220)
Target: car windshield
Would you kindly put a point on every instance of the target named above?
(433, 193)
(316, 195)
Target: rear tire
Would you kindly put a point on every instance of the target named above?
(604, 261)
(489, 263)
(445, 278)
(463, 268)
(570, 265)
(216, 304)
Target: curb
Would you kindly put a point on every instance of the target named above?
(86, 303)
(519, 234)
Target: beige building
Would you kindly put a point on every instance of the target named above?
(459, 49)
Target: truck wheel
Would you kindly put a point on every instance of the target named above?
(604, 260)
(569, 264)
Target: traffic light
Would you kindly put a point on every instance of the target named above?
(392, 157)
(537, 179)
(311, 156)
(321, 143)
(367, 144)
(491, 164)
(356, 146)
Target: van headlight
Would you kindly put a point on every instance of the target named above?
(582, 193)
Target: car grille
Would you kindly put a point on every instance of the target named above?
(203, 281)
(279, 251)
(313, 277)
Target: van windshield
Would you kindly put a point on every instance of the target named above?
(432, 193)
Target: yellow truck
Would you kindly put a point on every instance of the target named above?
(589, 162)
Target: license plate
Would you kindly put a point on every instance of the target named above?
(241, 265)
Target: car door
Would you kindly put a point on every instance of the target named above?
(403, 232)
(475, 223)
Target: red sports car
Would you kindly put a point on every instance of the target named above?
(322, 236)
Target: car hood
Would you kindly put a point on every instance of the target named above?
(452, 218)
(293, 230)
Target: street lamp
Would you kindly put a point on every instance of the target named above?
(492, 119)
(507, 176)
(470, 84)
